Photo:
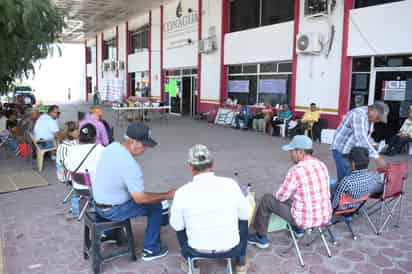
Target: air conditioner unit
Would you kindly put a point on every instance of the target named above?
(208, 45)
(309, 43)
(112, 65)
(120, 65)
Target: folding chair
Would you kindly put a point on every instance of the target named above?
(83, 179)
(395, 174)
(339, 214)
(308, 232)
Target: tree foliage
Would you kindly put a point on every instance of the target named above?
(28, 29)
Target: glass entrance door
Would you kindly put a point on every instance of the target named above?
(394, 88)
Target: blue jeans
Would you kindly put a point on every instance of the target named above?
(130, 209)
(12, 144)
(245, 119)
(238, 251)
(46, 144)
(342, 164)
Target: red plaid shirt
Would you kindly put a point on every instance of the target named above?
(307, 186)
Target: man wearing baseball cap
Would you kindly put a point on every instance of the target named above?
(119, 189)
(355, 130)
(210, 214)
(303, 199)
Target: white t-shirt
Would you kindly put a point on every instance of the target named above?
(209, 208)
(75, 156)
(45, 128)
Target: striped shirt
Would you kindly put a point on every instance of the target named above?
(307, 186)
(61, 155)
(353, 131)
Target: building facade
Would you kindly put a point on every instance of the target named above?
(193, 54)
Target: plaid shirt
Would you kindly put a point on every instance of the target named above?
(356, 185)
(354, 131)
(307, 186)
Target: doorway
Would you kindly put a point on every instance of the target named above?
(390, 85)
(181, 91)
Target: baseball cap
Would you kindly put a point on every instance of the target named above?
(298, 142)
(359, 155)
(383, 111)
(140, 132)
(199, 155)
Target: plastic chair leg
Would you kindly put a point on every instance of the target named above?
(229, 266)
(40, 159)
(83, 210)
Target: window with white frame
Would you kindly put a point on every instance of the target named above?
(265, 83)
(247, 14)
(109, 49)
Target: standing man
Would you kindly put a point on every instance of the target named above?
(303, 199)
(210, 214)
(118, 188)
(355, 130)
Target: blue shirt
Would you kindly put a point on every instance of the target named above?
(117, 175)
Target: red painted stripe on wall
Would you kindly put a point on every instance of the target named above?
(150, 51)
(126, 69)
(117, 51)
(345, 71)
(162, 95)
(85, 68)
(199, 55)
(97, 65)
(295, 57)
(223, 68)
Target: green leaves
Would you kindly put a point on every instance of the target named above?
(28, 29)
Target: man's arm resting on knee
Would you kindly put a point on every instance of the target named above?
(152, 198)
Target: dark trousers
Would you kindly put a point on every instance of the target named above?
(238, 252)
(397, 143)
(299, 129)
(130, 209)
(244, 118)
(268, 205)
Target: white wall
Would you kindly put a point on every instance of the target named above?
(318, 77)
(155, 39)
(57, 74)
(268, 43)
(381, 30)
(178, 52)
(139, 61)
(210, 78)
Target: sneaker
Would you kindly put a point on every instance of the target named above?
(184, 266)
(150, 255)
(240, 269)
(256, 240)
(299, 235)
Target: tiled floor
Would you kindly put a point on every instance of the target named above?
(37, 239)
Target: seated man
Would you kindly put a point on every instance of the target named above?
(245, 114)
(118, 189)
(310, 117)
(208, 212)
(94, 118)
(46, 129)
(360, 182)
(284, 115)
(303, 199)
(404, 137)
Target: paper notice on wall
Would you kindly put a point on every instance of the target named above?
(238, 86)
(277, 86)
(393, 90)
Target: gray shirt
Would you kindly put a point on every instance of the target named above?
(117, 175)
